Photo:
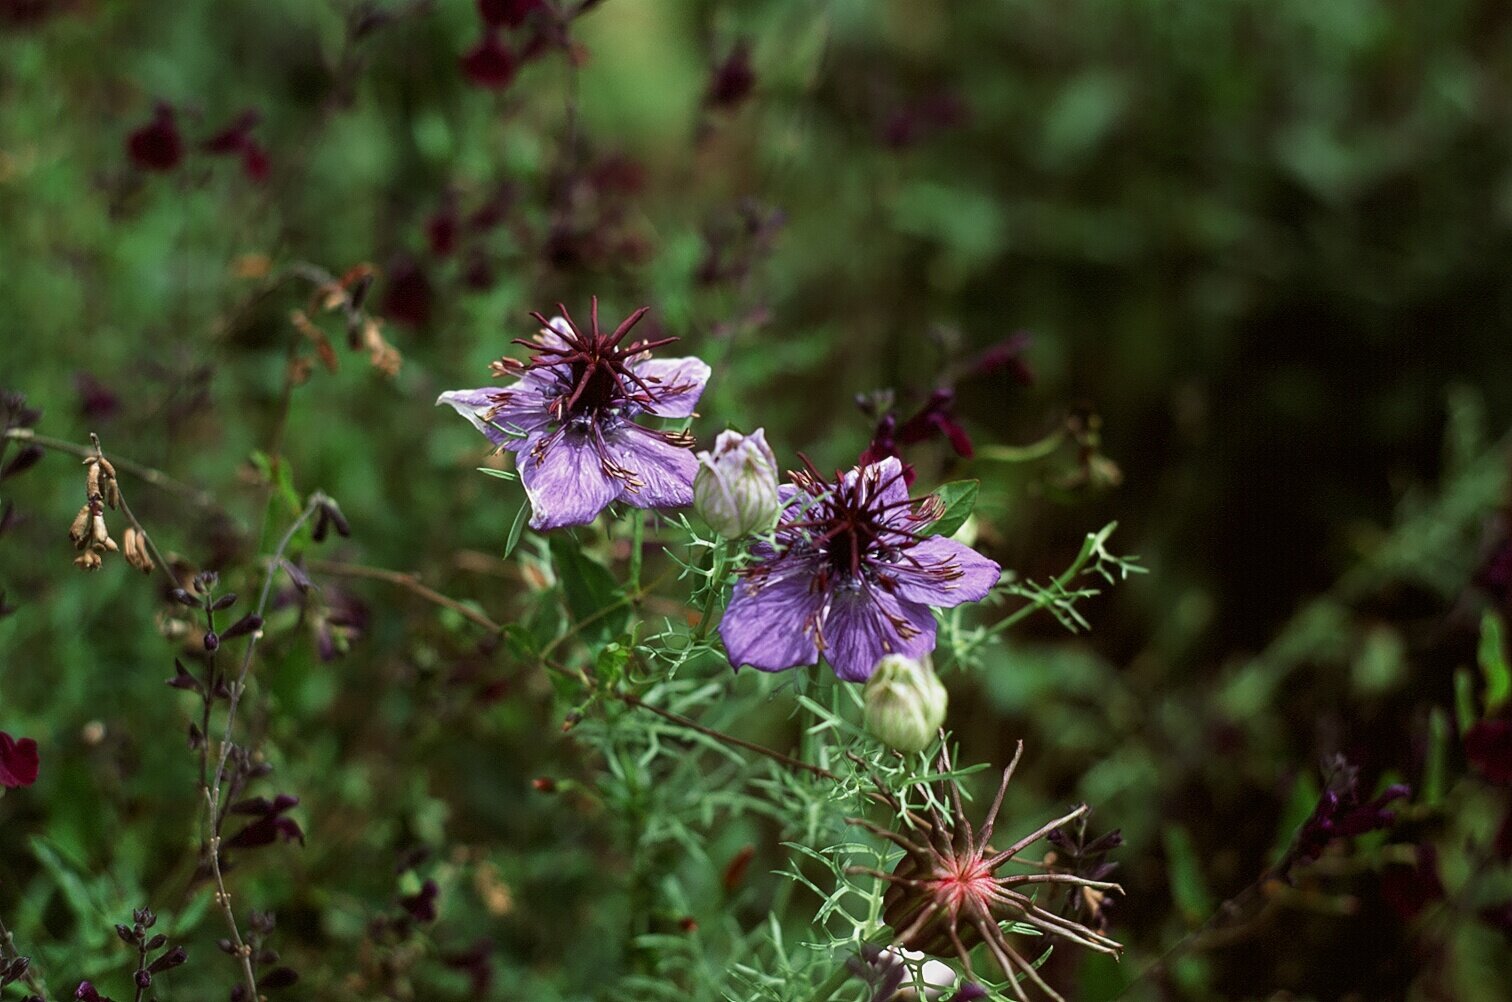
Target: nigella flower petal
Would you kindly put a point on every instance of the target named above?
(567, 485)
(750, 628)
(676, 382)
(664, 471)
(865, 624)
(518, 407)
(941, 572)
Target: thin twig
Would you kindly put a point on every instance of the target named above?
(212, 793)
(409, 582)
(147, 474)
(630, 699)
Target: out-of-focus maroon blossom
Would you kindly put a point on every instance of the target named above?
(884, 445)
(97, 402)
(490, 64)
(477, 962)
(87, 992)
(18, 761)
(272, 822)
(25, 13)
(1488, 747)
(937, 418)
(236, 140)
(407, 295)
(1007, 354)
(158, 145)
(917, 120)
(506, 13)
(1499, 917)
(1341, 812)
(592, 224)
(337, 624)
(422, 904)
(1501, 843)
(1409, 888)
(733, 79)
(441, 229)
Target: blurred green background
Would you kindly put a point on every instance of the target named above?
(1261, 249)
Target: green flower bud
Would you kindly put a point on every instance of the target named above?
(735, 489)
(905, 703)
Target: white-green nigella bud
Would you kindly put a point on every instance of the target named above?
(905, 703)
(735, 489)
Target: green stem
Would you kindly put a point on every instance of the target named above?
(1023, 453)
(1043, 599)
(715, 587)
(637, 546)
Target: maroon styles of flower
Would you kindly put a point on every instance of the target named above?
(945, 895)
(158, 145)
(18, 761)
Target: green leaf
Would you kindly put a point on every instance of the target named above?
(959, 498)
(593, 597)
(501, 474)
(1188, 887)
(516, 529)
(1493, 663)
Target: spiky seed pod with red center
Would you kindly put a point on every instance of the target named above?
(946, 896)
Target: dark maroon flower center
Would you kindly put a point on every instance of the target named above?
(593, 372)
(857, 531)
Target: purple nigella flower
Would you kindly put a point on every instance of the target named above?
(851, 576)
(570, 417)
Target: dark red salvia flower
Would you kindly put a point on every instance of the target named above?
(441, 229)
(506, 13)
(937, 418)
(97, 402)
(490, 64)
(236, 140)
(18, 761)
(1007, 354)
(157, 146)
(272, 822)
(422, 905)
(1342, 812)
(946, 896)
(733, 79)
(1488, 747)
(1409, 888)
(919, 119)
(884, 445)
(407, 296)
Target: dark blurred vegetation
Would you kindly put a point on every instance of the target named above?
(1265, 244)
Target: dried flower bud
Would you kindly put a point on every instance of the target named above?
(79, 531)
(735, 489)
(134, 547)
(89, 560)
(905, 703)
